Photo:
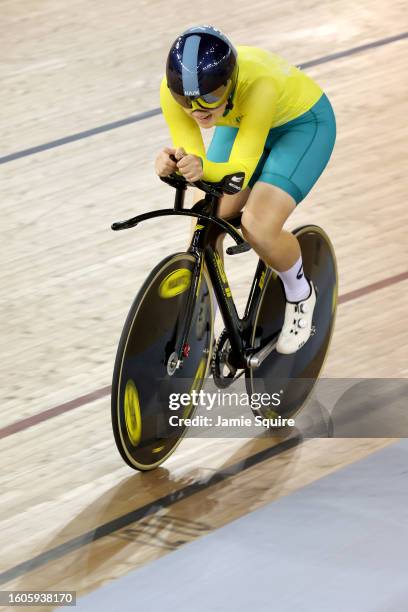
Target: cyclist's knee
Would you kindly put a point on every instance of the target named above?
(260, 233)
(254, 224)
(265, 214)
(231, 205)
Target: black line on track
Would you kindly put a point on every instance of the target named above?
(157, 111)
(372, 45)
(153, 507)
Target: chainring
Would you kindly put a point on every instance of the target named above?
(224, 373)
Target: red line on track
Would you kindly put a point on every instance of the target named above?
(9, 430)
(386, 282)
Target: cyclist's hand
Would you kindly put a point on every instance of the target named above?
(163, 164)
(190, 166)
(179, 153)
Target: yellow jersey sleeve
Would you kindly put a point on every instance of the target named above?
(184, 130)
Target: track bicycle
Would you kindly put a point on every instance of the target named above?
(167, 343)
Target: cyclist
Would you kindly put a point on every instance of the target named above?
(273, 123)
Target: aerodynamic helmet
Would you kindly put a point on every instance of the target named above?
(202, 66)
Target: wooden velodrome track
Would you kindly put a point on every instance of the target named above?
(72, 515)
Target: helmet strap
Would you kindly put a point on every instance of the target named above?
(230, 105)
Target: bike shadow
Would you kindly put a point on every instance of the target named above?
(150, 514)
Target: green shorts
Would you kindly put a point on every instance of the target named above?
(295, 154)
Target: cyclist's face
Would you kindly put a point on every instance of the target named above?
(206, 118)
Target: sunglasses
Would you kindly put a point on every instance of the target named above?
(207, 101)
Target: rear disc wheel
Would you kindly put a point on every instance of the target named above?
(293, 376)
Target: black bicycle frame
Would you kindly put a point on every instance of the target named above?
(203, 249)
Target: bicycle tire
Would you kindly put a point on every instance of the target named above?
(141, 382)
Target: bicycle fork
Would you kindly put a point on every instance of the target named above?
(181, 350)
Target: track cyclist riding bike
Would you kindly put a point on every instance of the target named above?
(273, 123)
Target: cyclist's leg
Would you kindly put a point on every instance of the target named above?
(300, 152)
(267, 209)
(296, 160)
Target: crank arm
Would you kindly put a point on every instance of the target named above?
(256, 359)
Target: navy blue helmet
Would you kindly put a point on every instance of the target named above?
(202, 65)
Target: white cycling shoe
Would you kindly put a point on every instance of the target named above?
(297, 327)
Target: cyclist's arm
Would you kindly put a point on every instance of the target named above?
(183, 129)
(258, 110)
